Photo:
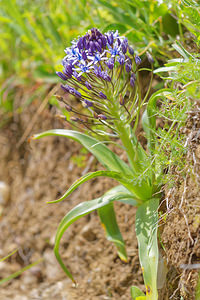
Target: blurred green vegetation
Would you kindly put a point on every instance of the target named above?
(34, 34)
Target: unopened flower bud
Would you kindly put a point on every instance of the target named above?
(68, 107)
(121, 99)
(138, 60)
(102, 95)
(88, 85)
(95, 115)
(77, 94)
(127, 67)
(150, 58)
(130, 50)
(59, 98)
(88, 103)
(124, 45)
(75, 119)
(132, 79)
(62, 76)
(84, 56)
(102, 117)
(110, 63)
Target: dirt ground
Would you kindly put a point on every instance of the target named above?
(41, 171)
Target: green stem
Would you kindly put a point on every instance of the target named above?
(123, 135)
(139, 102)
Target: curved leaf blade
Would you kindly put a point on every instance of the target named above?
(114, 175)
(113, 234)
(84, 208)
(103, 154)
(146, 232)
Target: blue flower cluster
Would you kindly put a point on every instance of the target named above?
(94, 64)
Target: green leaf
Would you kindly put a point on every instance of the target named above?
(182, 51)
(137, 294)
(165, 69)
(114, 175)
(170, 25)
(113, 234)
(197, 290)
(146, 232)
(141, 190)
(116, 194)
(104, 155)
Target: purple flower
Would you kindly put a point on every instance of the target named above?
(150, 58)
(84, 55)
(127, 67)
(77, 94)
(80, 44)
(102, 95)
(121, 59)
(77, 76)
(138, 60)
(110, 63)
(62, 76)
(65, 87)
(102, 117)
(124, 45)
(131, 51)
(97, 71)
(71, 90)
(68, 107)
(88, 103)
(68, 70)
(98, 63)
(132, 79)
(110, 38)
(105, 76)
(88, 85)
(115, 50)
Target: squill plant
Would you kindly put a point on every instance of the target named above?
(102, 71)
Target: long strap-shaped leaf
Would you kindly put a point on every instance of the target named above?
(135, 189)
(104, 155)
(146, 231)
(116, 194)
(113, 234)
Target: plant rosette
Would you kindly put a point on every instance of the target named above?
(102, 71)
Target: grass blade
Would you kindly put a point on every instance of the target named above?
(14, 275)
(10, 254)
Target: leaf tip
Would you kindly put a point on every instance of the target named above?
(50, 202)
(30, 138)
(123, 258)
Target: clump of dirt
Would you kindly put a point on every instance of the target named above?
(42, 171)
(181, 231)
